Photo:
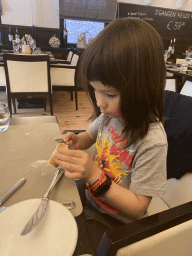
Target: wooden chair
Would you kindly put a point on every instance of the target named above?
(171, 84)
(68, 61)
(187, 88)
(63, 77)
(167, 233)
(2, 78)
(181, 61)
(27, 76)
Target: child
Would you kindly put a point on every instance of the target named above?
(124, 71)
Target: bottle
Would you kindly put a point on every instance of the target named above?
(17, 35)
(25, 39)
(65, 34)
(10, 36)
(170, 46)
(172, 57)
(173, 48)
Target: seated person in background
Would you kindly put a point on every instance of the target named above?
(124, 71)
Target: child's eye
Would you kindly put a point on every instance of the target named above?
(111, 95)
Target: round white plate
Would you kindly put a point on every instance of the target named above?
(56, 234)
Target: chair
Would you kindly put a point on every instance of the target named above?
(27, 76)
(168, 228)
(2, 78)
(187, 88)
(63, 77)
(181, 61)
(68, 61)
(171, 84)
(167, 233)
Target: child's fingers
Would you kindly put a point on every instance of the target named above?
(69, 136)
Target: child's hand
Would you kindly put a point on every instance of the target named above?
(78, 165)
(71, 139)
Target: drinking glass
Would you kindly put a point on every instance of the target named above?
(188, 57)
(33, 44)
(19, 43)
(38, 51)
(4, 117)
(15, 47)
(166, 55)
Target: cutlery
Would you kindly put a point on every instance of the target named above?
(12, 190)
(59, 140)
(69, 205)
(41, 208)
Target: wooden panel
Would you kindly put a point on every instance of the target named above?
(42, 35)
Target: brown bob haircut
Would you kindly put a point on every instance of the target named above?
(128, 54)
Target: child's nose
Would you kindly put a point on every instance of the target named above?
(101, 103)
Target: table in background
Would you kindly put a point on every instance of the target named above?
(25, 149)
(181, 76)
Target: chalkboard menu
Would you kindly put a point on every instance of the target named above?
(169, 23)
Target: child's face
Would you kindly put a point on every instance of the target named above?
(107, 98)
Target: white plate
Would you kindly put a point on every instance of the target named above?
(56, 234)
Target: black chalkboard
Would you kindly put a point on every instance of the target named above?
(169, 23)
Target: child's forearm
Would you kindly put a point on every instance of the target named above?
(127, 201)
(86, 140)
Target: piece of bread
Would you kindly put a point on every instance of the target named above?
(52, 159)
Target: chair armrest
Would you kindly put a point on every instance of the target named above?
(63, 61)
(62, 66)
(137, 230)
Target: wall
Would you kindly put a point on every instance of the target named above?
(45, 13)
(40, 13)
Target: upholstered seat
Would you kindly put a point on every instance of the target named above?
(63, 77)
(27, 76)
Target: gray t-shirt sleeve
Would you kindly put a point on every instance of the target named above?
(149, 173)
(94, 126)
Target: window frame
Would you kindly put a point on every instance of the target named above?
(72, 45)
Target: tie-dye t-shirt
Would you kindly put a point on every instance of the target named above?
(140, 167)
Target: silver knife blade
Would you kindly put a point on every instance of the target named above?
(36, 217)
(41, 208)
(12, 190)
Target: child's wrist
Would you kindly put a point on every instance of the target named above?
(97, 174)
(100, 186)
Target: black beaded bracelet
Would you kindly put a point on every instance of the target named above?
(103, 188)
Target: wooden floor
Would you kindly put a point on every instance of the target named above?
(64, 109)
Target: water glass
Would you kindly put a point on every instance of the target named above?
(33, 44)
(4, 117)
(37, 51)
(183, 67)
(15, 47)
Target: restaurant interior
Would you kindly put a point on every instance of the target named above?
(32, 38)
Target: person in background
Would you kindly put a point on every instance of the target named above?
(124, 72)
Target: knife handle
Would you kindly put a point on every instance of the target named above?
(59, 172)
(12, 190)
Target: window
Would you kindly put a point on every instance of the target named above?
(90, 28)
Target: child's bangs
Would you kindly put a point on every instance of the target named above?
(100, 69)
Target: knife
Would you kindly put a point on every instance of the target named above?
(41, 208)
(12, 190)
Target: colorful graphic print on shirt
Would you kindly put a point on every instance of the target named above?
(113, 159)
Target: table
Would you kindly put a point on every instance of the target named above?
(181, 76)
(25, 149)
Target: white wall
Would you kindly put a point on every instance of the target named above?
(40, 13)
(16, 12)
(45, 13)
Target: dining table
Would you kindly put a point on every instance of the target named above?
(25, 149)
(179, 74)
